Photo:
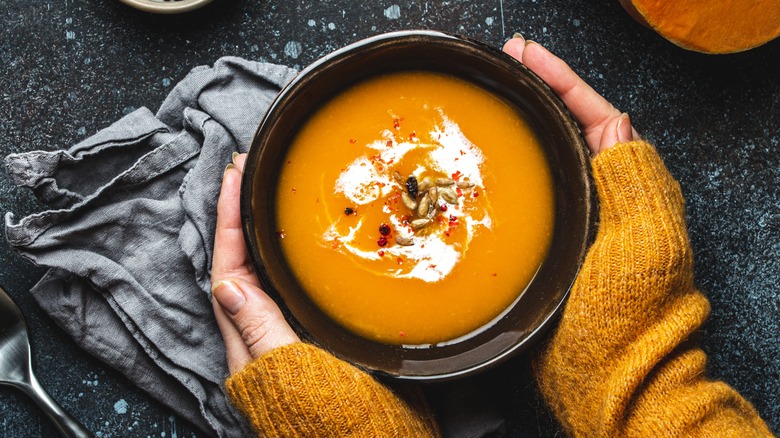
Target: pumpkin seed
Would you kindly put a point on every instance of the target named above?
(404, 241)
(423, 206)
(448, 195)
(444, 182)
(418, 224)
(465, 184)
(424, 185)
(433, 194)
(408, 201)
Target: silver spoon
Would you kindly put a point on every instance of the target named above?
(16, 368)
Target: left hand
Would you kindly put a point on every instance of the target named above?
(602, 124)
(250, 321)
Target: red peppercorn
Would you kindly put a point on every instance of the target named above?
(384, 229)
(382, 241)
(443, 207)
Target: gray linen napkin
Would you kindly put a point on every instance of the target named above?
(129, 240)
(129, 236)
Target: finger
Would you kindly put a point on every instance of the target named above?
(230, 255)
(236, 351)
(239, 160)
(617, 130)
(515, 46)
(590, 109)
(255, 315)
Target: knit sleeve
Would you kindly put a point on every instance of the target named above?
(301, 391)
(622, 362)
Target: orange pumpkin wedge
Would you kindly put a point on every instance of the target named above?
(710, 26)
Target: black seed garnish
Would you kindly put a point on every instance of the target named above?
(411, 186)
(348, 211)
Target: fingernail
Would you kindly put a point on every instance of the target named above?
(527, 42)
(229, 166)
(624, 132)
(518, 35)
(228, 295)
(235, 154)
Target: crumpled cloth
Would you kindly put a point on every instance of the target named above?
(129, 240)
(130, 233)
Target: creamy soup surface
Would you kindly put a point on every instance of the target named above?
(415, 207)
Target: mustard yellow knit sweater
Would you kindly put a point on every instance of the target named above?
(620, 364)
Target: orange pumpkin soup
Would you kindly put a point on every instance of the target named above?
(415, 207)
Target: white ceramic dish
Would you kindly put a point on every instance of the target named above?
(166, 7)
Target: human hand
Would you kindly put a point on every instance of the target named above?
(250, 321)
(602, 124)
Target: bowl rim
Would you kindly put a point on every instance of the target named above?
(579, 149)
(170, 7)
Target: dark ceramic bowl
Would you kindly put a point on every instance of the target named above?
(482, 65)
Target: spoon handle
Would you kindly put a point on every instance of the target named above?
(68, 426)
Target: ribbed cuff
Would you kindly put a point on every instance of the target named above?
(300, 390)
(631, 177)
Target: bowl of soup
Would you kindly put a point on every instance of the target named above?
(418, 204)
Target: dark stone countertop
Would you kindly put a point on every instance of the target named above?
(72, 67)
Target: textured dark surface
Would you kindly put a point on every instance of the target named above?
(72, 67)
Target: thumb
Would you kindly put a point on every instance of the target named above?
(254, 315)
(617, 130)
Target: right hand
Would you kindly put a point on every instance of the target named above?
(602, 124)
